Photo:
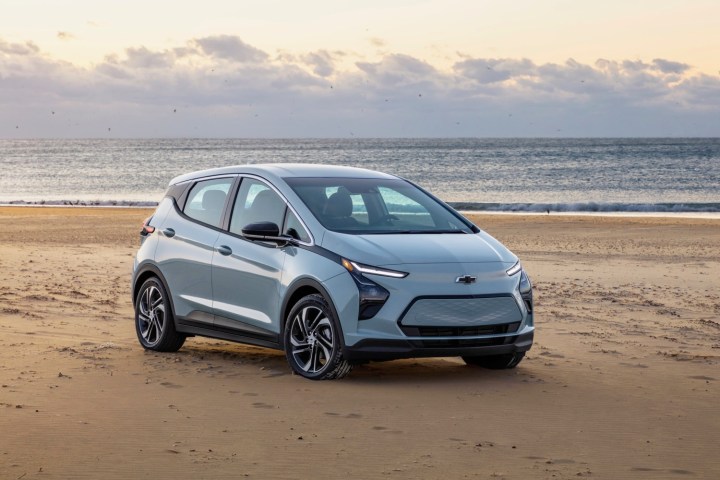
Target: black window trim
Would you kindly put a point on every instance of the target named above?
(180, 204)
(231, 205)
(224, 227)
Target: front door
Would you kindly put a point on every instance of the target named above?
(246, 276)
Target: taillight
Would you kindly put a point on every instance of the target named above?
(147, 229)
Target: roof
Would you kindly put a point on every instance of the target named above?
(283, 170)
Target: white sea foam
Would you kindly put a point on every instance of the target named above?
(82, 203)
(589, 207)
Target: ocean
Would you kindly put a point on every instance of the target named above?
(670, 175)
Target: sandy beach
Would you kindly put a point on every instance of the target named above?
(622, 382)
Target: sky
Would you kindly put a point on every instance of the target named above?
(393, 68)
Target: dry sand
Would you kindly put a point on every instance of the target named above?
(621, 383)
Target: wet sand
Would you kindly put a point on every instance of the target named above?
(621, 383)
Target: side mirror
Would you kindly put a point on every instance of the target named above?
(260, 230)
(267, 232)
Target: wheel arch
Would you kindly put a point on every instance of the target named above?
(301, 288)
(145, 271)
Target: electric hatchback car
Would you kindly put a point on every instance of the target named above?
(334, 265)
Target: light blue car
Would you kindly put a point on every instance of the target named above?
(334, 265)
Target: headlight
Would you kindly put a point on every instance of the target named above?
(359, 267)
(514, 269)
(372, 296)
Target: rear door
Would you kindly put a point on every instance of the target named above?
(186, 246)
(247, 275)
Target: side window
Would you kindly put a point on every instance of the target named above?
(294, 228)
(206, 200)
(256, 202)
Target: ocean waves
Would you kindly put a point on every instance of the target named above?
(588, 207)
(602, 176)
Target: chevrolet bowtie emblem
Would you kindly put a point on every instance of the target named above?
(465, 279)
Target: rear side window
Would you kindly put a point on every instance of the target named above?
(206, 200)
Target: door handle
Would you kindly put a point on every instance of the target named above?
(224, 250)
(169, 232)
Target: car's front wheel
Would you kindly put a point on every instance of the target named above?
(312, 340)
(496, 362)
(154, 323)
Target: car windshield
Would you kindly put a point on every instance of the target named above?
(376, 206)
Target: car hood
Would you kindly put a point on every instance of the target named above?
(387, 250)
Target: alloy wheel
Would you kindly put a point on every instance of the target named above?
(151, 315)
(311, 339)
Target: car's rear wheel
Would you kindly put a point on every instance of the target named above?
(154, 323)
(312, 340)
(496, 362)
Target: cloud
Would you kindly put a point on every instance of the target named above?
(143, 58)
(667, 66)
(188, 51)
(322, 62)
(633, 81)
(27, 48)
(232, 48)
(65, 36)
(701, 92)
(222, 86)
(491, 70)
(398, 70)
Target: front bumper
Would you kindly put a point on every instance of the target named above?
(391, 349)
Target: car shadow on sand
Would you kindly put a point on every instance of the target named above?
(431, 370)
(229, 358)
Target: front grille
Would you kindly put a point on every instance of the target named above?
(474, 331)
(461, 312)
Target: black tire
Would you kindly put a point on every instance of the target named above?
(496, 362)
(313, 345)
(154, 321)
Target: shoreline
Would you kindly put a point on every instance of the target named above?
(468, 213)
(690, 215)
